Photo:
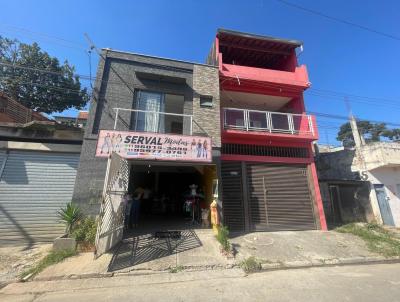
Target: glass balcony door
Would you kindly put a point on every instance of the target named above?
(148, 118)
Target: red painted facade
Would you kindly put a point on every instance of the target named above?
(256, 68)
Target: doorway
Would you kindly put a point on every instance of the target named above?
(166, 226)
(335, 217)
(174, 196)
(383, 202)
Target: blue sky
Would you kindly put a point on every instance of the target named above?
(339, 57)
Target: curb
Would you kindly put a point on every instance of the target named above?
(140, 272)
(272, 266)
(328, 263)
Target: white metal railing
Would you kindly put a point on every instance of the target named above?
(255, 120)
(156, 121)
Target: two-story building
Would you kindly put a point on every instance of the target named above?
(239, 120)
(161, 115)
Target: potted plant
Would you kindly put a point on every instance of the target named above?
(85, 234)
(70, 216)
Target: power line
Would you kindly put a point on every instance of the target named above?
(396, 106)
(327, 93)
(125, 84)
(369, 29)
(312, 91)
(342, 117)
(72, 44)
(61, 89)
(40, 70)
(346, 94)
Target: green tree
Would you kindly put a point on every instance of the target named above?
(52, 91)
(393, 134)
(371, 132)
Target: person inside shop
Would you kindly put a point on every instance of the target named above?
(135, 209)
(147, 202)
(127, 204)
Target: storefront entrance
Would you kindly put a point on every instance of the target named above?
(171, 197)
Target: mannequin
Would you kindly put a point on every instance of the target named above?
(193, 189)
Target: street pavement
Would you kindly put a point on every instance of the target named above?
(379, 282)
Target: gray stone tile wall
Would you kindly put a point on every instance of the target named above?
(119, 76)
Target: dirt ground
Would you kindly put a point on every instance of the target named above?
(16, 259)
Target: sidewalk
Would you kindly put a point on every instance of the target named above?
(199, 251)
(303, 249)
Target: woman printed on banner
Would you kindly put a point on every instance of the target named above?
(205, 149)
(106, 143)
(113, 141)
(193, 148)
(199, 149)
(118, 141)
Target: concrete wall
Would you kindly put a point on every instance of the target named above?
(337, 165)
(41, 131)
(65, 148)
(119, 76)
(381, 154)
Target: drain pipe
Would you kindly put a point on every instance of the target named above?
(3, 165)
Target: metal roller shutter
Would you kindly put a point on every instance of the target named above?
(279, 197)
(33, 187)
(232, 197)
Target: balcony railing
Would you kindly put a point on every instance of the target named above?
(266, 121)
(153, 121)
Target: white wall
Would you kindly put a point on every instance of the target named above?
(390, 178)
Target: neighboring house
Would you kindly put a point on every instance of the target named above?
(344, 193)
(361, 183)
(78, 121)
(238, 120)
(12, 111)
(81, 119)
(38, 163)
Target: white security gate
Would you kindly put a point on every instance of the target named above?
(111, 218)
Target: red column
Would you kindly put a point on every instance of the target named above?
(318, 198)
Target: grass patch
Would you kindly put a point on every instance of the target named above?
(223, 238)
(176, 269)
(251, 265)
(378, 239)
(52, 258)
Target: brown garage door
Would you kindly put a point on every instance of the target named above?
(279, 197)
(232, 196)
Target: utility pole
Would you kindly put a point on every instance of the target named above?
(327, 140)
